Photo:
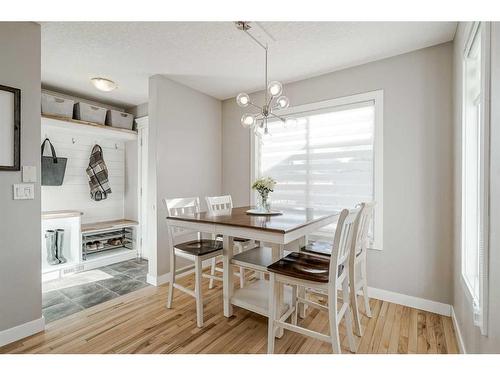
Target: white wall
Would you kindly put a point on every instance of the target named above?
(74, 193)
(20, 221)
(185, 140)
(416, 256)
(474, 342)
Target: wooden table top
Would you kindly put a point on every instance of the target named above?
(290, 220)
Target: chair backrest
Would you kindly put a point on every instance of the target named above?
(342, 243)
(182, 206)
(220, 205)
(360, 245)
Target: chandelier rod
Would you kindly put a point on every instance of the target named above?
(265, 47)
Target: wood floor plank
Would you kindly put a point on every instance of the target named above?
(413, 332)
(449, 335)
(139, 322)
(439, 333)
(388, 327)
(422, 343)
(404, 331)
(396, 330)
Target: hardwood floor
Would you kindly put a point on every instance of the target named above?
(139, 322)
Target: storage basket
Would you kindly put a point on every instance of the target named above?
(57, 106)
(90, 113)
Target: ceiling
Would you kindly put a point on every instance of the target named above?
(214, 57)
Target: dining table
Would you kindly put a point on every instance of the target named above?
(273, 234)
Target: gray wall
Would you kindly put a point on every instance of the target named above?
(20, 221)
(185, 126)
(474, 342)
(416, 256)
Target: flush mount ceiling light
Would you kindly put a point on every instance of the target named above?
(273, 100)
(103, 84)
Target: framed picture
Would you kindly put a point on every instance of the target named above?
(10, 129)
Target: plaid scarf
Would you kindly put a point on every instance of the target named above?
(98, 175)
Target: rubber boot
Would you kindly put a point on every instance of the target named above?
(59, 247)
(50, 241)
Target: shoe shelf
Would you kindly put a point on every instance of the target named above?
(105, 236)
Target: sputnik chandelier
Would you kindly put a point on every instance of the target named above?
(273, 98)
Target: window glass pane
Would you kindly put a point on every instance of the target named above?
(324, 162)
(471, 166)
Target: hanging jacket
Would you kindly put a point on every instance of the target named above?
(97, 172)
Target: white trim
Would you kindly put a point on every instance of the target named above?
(377, 97)
(158, 280)
(480, 301)
(410, 301)
(21, 331)
(458, 333)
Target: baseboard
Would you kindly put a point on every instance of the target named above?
(410, 301)
(461, 345)
(21, 331)
(158, 280)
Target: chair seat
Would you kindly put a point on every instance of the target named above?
(200, 247)
(321, 248)
(302, 266)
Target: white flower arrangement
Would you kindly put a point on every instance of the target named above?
(264, 185)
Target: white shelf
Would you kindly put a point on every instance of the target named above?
(255, 297)
(109, 254)
(88, 128)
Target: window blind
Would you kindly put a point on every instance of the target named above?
(325, 161)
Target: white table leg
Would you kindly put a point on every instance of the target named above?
(227, 278)
(278, 253)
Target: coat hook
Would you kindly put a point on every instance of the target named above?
(73, 140)
(116, 146)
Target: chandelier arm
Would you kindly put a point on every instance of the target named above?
(271, 100)
(255, 105)
(278, 117)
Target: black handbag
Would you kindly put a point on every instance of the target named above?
(53, 168)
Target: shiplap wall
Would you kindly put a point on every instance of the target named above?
(74, 193)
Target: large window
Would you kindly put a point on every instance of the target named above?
(330, 160)
(475, 154)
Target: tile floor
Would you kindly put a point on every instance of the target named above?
(124, 277)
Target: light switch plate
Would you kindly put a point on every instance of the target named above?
(24, 191)
(29, 173)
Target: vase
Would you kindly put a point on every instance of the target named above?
(264, 205)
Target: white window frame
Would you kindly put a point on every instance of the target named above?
(480, 302)
(377, 97)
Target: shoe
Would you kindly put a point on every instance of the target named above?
(59, 245)
(50, 240)
(115, 242)
(91, 246)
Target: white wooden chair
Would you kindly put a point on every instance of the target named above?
(222, 205)
(194, 250)
(358, 283)
(318, 273)
(357, 277)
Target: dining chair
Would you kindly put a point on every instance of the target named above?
(196, 250)
(317, 273)
(222, 205)
(358, 282)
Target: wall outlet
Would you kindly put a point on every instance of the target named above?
(24, 191)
